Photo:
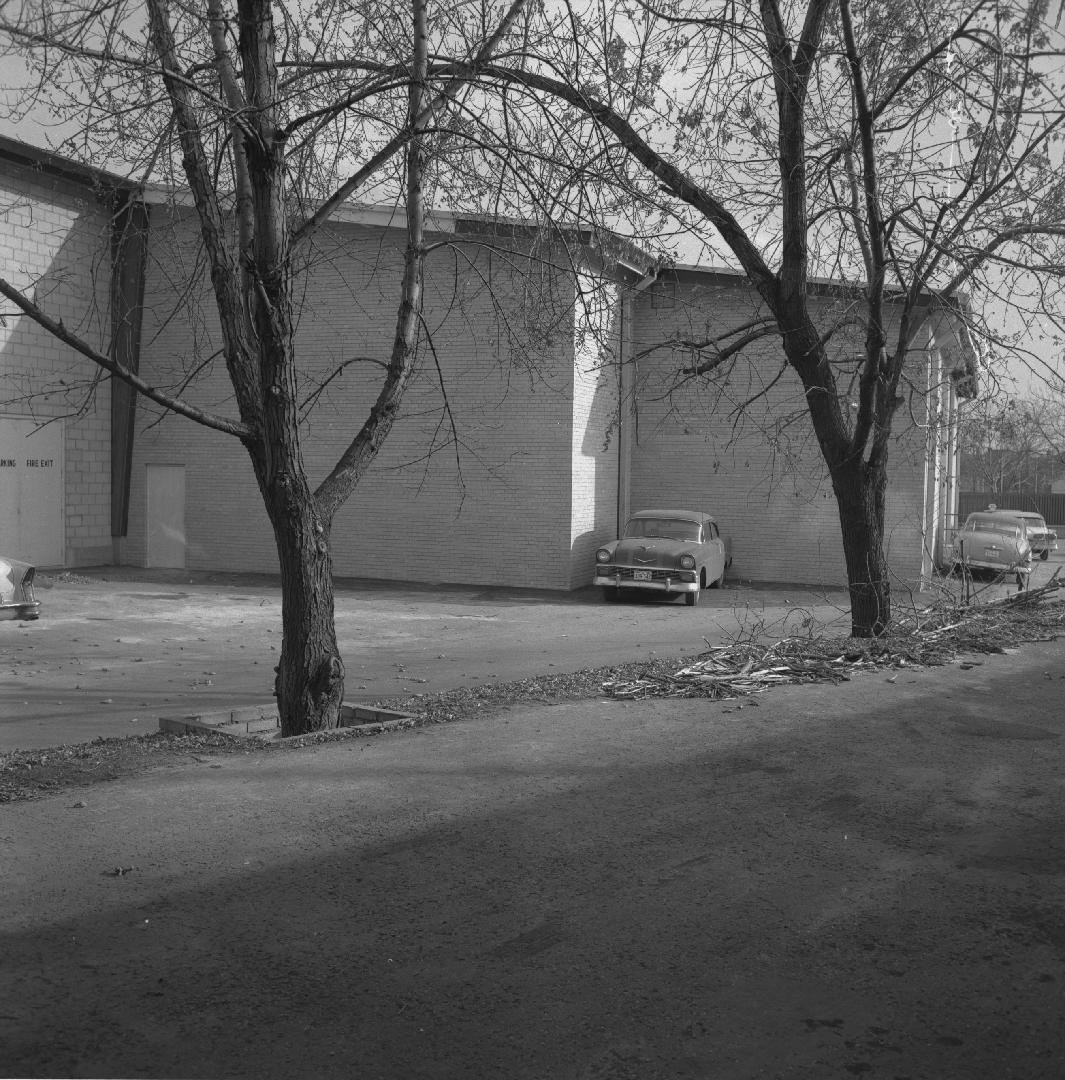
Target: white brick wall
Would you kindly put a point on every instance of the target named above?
(744, 450)
(54, 240)
(530, 487)
(595, 443)
(492, 501)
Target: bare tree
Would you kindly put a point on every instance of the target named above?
(912, 148)
(271, 116)
(1014, 444)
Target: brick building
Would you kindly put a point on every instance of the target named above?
(548, 406)
(55, 410)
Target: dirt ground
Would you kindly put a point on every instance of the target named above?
(116, 649)
(821, 882)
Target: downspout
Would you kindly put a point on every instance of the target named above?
(941, 418)
(953, 459)
(926, 560)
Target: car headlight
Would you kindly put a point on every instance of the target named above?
(687, 562)
(604, 555)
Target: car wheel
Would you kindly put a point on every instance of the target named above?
(692, 598)
(1044, 555)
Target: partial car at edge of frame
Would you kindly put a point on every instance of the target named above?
(17, 600)
(668, 552)
(1042, 538)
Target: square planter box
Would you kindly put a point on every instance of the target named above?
(261, 722)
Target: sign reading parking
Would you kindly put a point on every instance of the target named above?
(31, 491)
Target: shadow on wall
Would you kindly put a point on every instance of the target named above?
(55, 481)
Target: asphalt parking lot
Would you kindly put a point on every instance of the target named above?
(116, 648)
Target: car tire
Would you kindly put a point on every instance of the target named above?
(1044, 555)
(692, 598)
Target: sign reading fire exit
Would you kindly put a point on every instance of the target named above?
(31, 491)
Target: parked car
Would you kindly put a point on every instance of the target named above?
(994, 541)
(16, 590)
(1043, 539)
(669, 552)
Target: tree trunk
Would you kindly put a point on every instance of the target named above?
(310, 673)
(860, 492)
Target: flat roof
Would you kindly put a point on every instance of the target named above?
(33, 157)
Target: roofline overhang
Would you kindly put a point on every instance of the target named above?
(624, 259)
(34, 157)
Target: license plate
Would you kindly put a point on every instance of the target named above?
(641, 575)
(991, 553)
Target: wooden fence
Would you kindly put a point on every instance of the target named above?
(1052, 507)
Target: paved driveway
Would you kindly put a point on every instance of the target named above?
(112, 653)
(117, 649)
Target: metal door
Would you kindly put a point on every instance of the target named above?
(166, 515)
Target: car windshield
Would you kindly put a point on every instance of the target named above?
(998, 526)
(664, 528)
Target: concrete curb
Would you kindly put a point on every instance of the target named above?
(261, 722)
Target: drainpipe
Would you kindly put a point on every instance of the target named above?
(942, 418)
(929, 448)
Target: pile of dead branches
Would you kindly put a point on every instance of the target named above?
(742, 668)
(922, 638)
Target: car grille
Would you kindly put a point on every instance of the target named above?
(627, 573)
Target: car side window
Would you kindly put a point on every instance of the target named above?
(711, 531)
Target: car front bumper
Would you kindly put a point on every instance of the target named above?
(30, 610)
(998, 567)
(663, 581)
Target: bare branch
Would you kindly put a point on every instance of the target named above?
(160, 397)
(431, 110)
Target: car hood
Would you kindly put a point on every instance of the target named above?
(651, 551)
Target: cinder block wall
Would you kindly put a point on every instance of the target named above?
(743, 448)
(54, 236)
(474, 484)
(595, 433)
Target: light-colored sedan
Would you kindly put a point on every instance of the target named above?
(993, 542)
(669, 552)
(1043, 539)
